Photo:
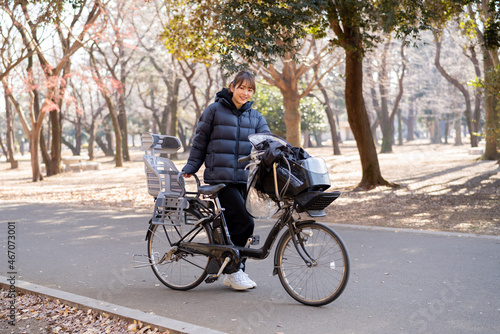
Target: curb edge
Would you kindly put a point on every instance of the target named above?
(86, 303)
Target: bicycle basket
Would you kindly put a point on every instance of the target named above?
(294, 169)
(309, 174)
(315, 201)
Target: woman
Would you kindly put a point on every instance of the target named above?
(221, 139)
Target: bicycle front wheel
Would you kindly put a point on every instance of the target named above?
(177, 269)
(325, 278)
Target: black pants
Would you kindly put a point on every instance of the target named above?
(239, 223)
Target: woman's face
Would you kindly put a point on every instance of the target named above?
(242, 93)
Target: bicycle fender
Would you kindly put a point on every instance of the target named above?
(148, 233)
(282, 239)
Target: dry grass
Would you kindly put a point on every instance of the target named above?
(442, 188)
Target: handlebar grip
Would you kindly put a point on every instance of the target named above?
(244, 159)
(180, 180)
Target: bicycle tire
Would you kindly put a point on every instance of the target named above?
(184, 271)
(318, 284)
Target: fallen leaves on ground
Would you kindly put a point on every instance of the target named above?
(37, 314)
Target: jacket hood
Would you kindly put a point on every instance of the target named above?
(224, 97)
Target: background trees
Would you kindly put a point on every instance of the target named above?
(48, 69)
(318, 64)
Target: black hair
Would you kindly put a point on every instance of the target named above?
(241, 77)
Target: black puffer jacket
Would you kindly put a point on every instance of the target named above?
(222, 138)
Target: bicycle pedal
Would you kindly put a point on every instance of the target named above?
(211, 278)
(255, 240)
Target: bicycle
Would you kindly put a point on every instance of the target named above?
(188, 241)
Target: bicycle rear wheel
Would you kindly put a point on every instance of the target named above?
(178, 270)
(323, 281)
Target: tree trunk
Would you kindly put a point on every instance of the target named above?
(78, 134)
(373, 129)
(56, 117)
(350, 39)
(475, 122)
(458, 131)
(9, 133)
(173, 102)
(116, 127)
(92, 134)
(54, 166)
(110, 147)
(307, 139)
(435, 130)
(22, 118)
(287, 82)
(410, 125)
(32, 133)
(35, 163)
(44, 150)
(72, 147)
(490, 59)
(359, 121)
(375, 104)
(461, 88)
(122, 120)
(174, 109)
(35, 139)
(182, 136)
(53, 161)
(317, 138)
(446, 130)
(389, 135)
(385, 121)
(331, 120)
(122, 116)
(104, 145)
(291, 102)
(400, 128)
(490, 104)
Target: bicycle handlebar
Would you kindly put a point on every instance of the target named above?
(245, 159)
(181, 181)
(251, 156)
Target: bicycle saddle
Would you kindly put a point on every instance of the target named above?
(211, 189)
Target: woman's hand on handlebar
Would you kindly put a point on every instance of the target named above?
(187, 175)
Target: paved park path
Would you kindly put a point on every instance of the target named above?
(401, 281)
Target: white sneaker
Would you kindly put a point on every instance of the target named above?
(249, 280)
(238, 281)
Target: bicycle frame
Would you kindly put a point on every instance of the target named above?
(220, 252)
